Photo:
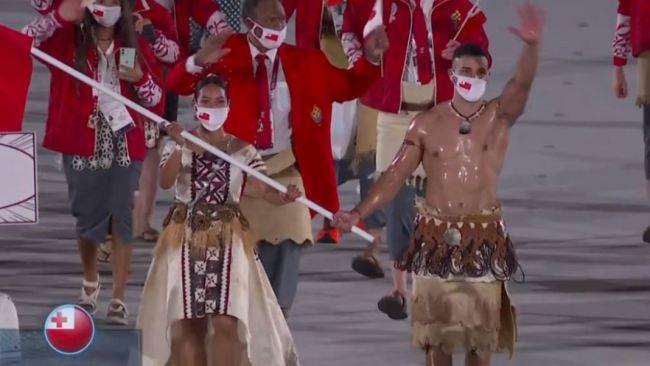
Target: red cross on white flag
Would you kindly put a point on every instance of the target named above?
(63, 318)
(69, 329)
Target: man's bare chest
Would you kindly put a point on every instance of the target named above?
(445, 142)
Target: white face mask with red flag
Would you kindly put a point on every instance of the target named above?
(470, 89)
(268, 38)
(212, 118)
(107, 16)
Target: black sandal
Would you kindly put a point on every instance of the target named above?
(367, 266)
(394, 306)
(646, 235)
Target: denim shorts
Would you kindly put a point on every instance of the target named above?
(97, 196)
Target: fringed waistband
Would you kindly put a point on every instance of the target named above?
(204, 214)
(471, 246)
(427, 212)
(207, 225)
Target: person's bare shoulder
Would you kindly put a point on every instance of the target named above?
(426, 120)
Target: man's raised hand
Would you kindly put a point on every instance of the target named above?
(213, 49)
(532, 23)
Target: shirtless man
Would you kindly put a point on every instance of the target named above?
(460, 254)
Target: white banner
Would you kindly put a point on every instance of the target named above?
(18, 186)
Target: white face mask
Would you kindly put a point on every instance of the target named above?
(270, 38)
(106, 16)
(470, 89)
(212, 118)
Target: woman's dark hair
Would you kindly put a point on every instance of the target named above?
(211, 79)
(124, 31)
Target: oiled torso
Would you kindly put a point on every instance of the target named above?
(463, 170)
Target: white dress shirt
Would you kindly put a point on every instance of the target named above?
(107, 74)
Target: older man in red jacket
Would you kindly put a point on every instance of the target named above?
(633, 36)
(423, 35)
(281, 100)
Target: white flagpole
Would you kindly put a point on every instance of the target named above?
(154, 117)
(470, 14)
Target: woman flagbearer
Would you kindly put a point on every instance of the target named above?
(206, 279)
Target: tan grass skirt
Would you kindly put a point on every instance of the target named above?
(460, 266)
(477, 317)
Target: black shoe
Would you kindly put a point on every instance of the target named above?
(394, 306)
(646, 235)
(367, 266)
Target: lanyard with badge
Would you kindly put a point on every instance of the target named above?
(115, 113)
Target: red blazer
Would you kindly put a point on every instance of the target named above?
(632, 30)
(72, 102)
(446, 18)
(309, 16)
(314, 85)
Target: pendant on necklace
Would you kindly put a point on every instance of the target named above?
(465, 127)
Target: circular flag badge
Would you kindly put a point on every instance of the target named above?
(69, 329)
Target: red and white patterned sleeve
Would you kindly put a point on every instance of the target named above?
(208, 15)
(622, 45)
(349, 35)
(149, 92)
(42, 28)
(217, 23)
(44, 6)
(165, 49)
(352, 47)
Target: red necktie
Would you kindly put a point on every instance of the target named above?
(264, 138)
(423, 55)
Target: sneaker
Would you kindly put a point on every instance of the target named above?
(89, 301)
(328, 235)
(646, 235)
(117, 313)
